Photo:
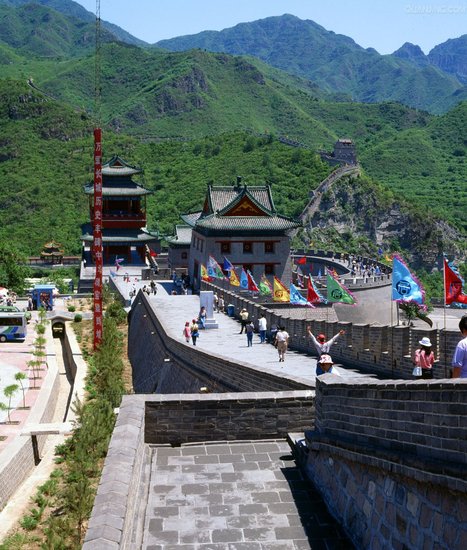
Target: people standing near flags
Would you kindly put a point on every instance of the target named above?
(282, 342)
(262, 327)
(244, 315)
(221, 304)
(249, 329)
(320, 343)
(424, 358)
(216, 301)
(459, 360)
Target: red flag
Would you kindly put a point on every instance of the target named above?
(251, 283)
(312, 295)
(302, 260)
(152, 253)
(452, 286)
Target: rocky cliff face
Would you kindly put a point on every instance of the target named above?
(354, 207)
(451, 57)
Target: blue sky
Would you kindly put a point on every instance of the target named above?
(382, 24)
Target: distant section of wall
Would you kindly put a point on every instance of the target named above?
(390, 460)
(161, 364)
(378, 348)
(188, 418)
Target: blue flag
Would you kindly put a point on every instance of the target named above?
(295, 297)
(244, 280)
(227, 265)
(405, 287)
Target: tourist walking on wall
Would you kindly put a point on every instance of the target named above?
(262, 327)
(153, 287)
(424, 359)
(459, 361)
(249, 329)
(282, 342)
(187, 332)
(194, 331)
(221, 304)
(320, 343)
(243, 318)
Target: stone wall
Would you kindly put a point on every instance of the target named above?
(390, 459)
(380, 349)
(186, 418)
(167, 365)
(174, 420)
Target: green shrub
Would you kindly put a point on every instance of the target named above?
(78, 318)
(29, 523)
(71, 309)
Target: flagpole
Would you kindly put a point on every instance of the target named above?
(392, 336)
(444, 317)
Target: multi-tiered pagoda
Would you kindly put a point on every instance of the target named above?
(125, 239)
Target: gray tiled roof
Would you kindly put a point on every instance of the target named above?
(182, 235)
(116, 166)
(191, 218)
(250, 223)
(123, 191)
(123, 236)
(222, 196)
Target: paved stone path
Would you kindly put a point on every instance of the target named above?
(234, 496)
(174, 311)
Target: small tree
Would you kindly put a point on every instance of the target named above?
(9, 392)
(19, 377)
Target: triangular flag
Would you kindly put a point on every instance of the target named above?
(453, 285)
(313, 296)
(265, 286)
(252, 286)
(301, 261)
(234, 280)
(244, 280)
(227, 265)
(214, 269)
(338, 293)
(204, 274)
(296, 298)
(405, 286)
(281, 292)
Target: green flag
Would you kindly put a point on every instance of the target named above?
(338, 293)
(265, 286)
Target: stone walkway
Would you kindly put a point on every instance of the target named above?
(174, 311)
(235, 496)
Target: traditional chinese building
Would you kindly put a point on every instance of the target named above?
(52, 253)
(124, 232)
(179, 247)
(241, 223)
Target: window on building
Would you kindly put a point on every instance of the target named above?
(201, 245)
(269, 269)
(247, 248)
(269, 248)
(184, 255)
(248, 267)
(225, 248)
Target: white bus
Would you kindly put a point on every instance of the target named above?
(13, 326)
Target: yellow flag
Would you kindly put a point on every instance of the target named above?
(234, 280)
(204, 274)
(281, 292)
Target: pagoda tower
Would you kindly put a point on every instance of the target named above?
(124, 234)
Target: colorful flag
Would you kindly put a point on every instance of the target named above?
(227, 265)
(251, 282)
(300, 278)
(453, 284)
(234, 280)
(405, 286)
(152, 253)
(296, 298)
(302, 260)
(244, 280)
(265, 286)
(112, 273)
(118, 261)
(313, 296)
(214, 269)
(337, 292)
(204, 274)
(281, 292)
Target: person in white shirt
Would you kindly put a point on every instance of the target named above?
(262, 327)
(282, 342)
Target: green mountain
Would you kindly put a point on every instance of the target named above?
(451, 57)
(333, 61)
(74, 10)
